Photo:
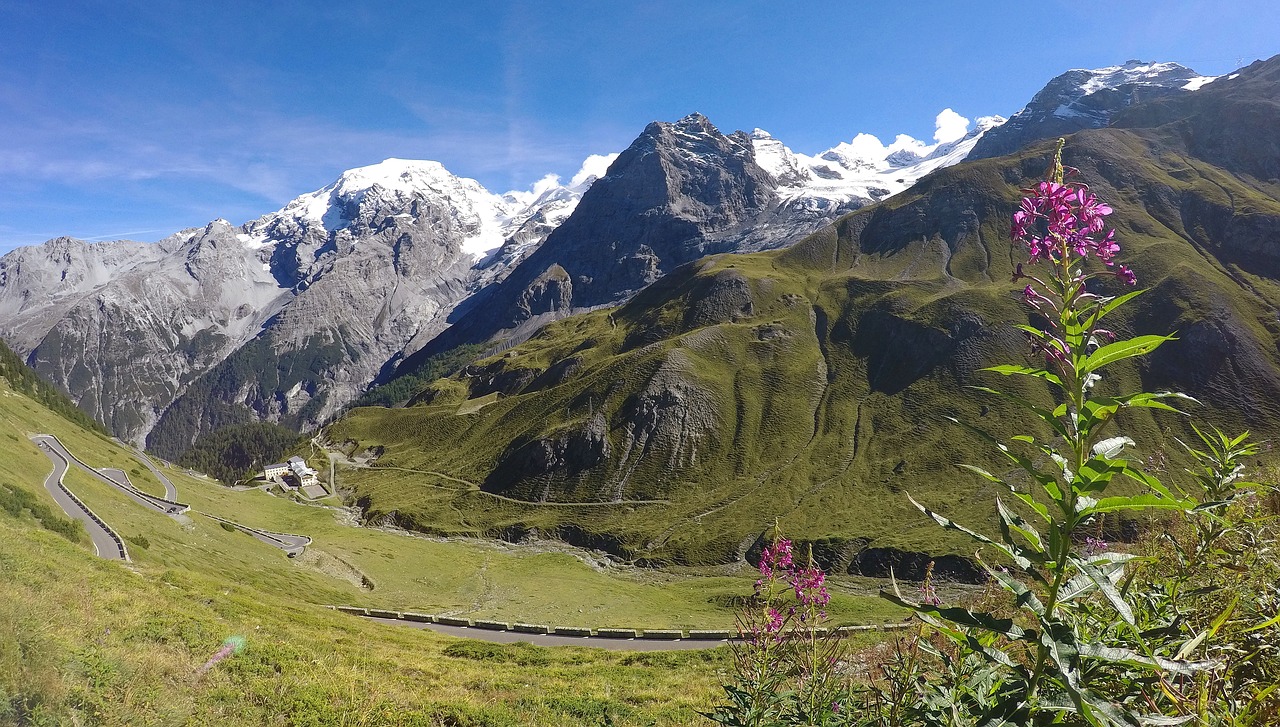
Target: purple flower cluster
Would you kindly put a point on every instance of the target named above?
(775, 560)
(810, 586)
(1057, 220)
(779, 570)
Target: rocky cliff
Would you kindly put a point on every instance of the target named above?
(811, 384)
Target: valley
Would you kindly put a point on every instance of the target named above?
(594, 405)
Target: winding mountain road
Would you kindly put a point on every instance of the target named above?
(170, 492)
(151, 502)
(106, 543)
(594, 642)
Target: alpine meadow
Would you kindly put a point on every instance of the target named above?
(969, 431)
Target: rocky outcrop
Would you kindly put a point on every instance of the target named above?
(681, 191)
(531, 469)
(286, 318)
(1086, 99)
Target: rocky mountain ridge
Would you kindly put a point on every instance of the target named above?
(289, 317)
(1087, 99)
(811, 384)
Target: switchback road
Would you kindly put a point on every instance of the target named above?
(106, 542)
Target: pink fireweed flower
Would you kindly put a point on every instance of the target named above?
(810, 587)
(776, 557)
(775, 621)
(1126, 275)
(1057, 219)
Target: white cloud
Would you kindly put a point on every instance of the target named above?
(950, 126)
(595, 165)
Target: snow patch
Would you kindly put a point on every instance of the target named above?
(1198, 82)
(866, 168)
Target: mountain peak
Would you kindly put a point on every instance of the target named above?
(1087, 98)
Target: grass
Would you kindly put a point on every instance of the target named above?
(534, 583)
(827, 404)
(94, 642)
(87, 641)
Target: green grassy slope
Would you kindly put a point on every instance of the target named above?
(87, 641)
(811, 385)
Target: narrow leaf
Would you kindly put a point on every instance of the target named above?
(1120, 350)
(1111, 304)
(1107, 586)
(1010, 370)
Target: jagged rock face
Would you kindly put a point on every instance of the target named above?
(678, 192)
(1085, 99)
(1225, 122)
(363, 292)
(43, 282)
(681, 191)
(140, 328)
(285, 319)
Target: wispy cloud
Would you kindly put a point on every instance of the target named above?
(268, 153)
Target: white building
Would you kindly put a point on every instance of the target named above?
(306, 476)
(274, 470)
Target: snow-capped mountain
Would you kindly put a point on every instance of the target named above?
(290, 316)
(396, 187)
(1087, 99)
(865, 169)
(296, 310)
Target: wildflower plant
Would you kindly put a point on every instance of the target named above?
(785, 659)
(1074, 643)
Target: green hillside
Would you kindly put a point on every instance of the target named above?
(811, 385)
(23, 379)
(88, 641)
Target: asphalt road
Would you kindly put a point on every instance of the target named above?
(148, 501)
(291, 544)
(594, 642)
(170, 492)
(105, 543)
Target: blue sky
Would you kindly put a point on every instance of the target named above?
(136, 119)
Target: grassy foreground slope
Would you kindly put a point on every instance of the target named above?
(812, 385)
(92, 642)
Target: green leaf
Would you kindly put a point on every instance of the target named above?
(1111, 448)
(1011, 522)
(1265, 624)
(1103, 580)
(1119, 655)
(1010, 370)
(983, 474)
(1010, 549)
(1111, 304)
(1153, 401)
(960, 616)
(1121, 350)
(1045, 415)
(1133, 502)
(1023, 595)
(1155, 484)
(1048, 482)
(1159, 720)
(1010, 711)
(1098, 472)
